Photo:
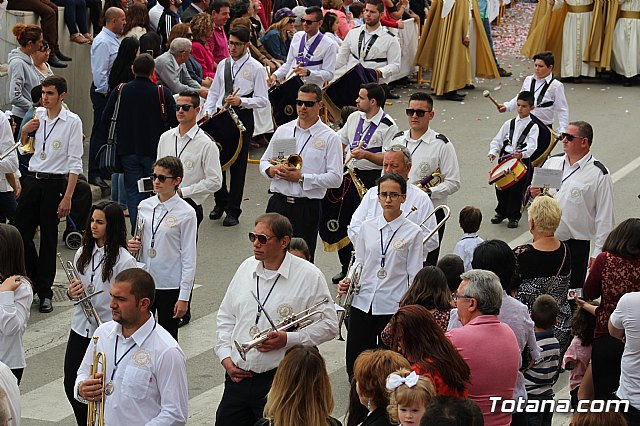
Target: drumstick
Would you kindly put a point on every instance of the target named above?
(487, 94)
(293, 70)
(504, 157)
(351, 155)
(268, 70)
(226, 104)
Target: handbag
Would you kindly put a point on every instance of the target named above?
(107, 156)
(163, 108)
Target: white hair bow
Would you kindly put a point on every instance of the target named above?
(394, 380)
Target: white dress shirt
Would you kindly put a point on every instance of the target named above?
(555, 94)
(150, 382)
(79, 323)
(200, 158)
(586, 200)
(248, 75)
(321, 151)
(10, 163)
(14, 314)
(370, 208)
(325, 52)
(386, 46)
(465, 247)
(403, 260)
(428, 154)
(300, 284)
(382, 136)
(174, 265)
(63, 148)
(9, 383)
(529, 145)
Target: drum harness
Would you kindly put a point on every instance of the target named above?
(523, 136)
(372, 41)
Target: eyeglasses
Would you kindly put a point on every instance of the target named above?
(393, 195)
(236, 44)
(569, 136)
(161, 178)
(184, 107)
(460, 296)
(308, 104)
(308, 21)
(398, 148)
(262, 239)
(44, 48)
(418, 112)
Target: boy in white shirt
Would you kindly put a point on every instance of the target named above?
(470, 220)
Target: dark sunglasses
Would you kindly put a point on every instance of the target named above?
(418, 112)
(161, 178)
(262, 239)
(308, 21)
(308, 104)
(569, 136)
(184, 107)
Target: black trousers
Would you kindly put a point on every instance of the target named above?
(199, 217)
(38, 205)
(510, 199)
(606, 357)
(17, 372)
(98, 136)
(304, 216)
(242, 403)
(432, 257)
(364, 333)
(76, 347)
(231, 199)
(579, 250)
(164, 303)
(80, 204)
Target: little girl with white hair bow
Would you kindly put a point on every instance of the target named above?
(409, 396)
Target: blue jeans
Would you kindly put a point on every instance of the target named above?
(8, 205)
(118, 191)
(487, 29)
(135, 167)
(75, 15)
(542, 418)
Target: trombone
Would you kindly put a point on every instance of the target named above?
(10, 150)
(432, 232)
(354, 289)
(98, 366)
(85, 302)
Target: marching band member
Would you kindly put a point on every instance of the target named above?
(240, 83)
(297, 192)
(101, 258)
(145, 379)
(312, 55)
(517, 138)
(168, 243)
(285, 285)
(397, 159)
(390, 251)
(431, 153)
(362, 136)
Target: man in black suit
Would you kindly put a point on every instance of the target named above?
(193, 9)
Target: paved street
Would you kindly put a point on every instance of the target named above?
(614, 112)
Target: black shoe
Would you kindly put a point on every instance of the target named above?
(469, 87)
(513, 223)
(453, 96)
(45, 305)
(498, 218)
(55, 62)
(182, 322)
(338, 277)
(627, 82)
(216, 213)
(504, 73)
(230, 221)
(62, 56)
(392, 95)
(98, 180)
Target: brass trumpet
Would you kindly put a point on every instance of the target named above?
(291, 323)
(85, 302)
(432, 232)
(29, 147)
(293, 160)
(98, 365)
(354, 289)
(430, 181)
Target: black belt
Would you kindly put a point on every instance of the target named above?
(266, 373)
(293, 200)
(44, 176)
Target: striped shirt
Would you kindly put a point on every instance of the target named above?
(539, 379)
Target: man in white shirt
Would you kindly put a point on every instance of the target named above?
(372, 46)
(285, 285)
(240, 83)
(312, 56)
(46, 195)
(433, 157)
(585, 197)
(297, 191)
(146, 374)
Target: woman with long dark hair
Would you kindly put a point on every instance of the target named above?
(102, 256)
(121, 70)
(16, 296)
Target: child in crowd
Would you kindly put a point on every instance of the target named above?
(298, 247)
(453, 266)
(470, 220)
(409, 397)
(578, 354)
(356, 9)
(517, 138)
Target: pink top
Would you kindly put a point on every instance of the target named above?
(204, 58)
(343, 26)
(491, 350)
(581, 355)
(218, 44)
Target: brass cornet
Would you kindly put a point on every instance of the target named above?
(354, 288)
(294, 160)
(431, 180)
(85, 302)
(291, 323)
(432, 232)
(98, 365)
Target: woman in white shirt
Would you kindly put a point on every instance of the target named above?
(16, 296)
(101, 258)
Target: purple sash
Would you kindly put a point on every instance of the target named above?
(305, 60)
(367, 136)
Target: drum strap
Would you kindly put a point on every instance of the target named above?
(228, 78)
(543, 91)
(372, 41)
(366, 137)
(523, 135)
(305, 59)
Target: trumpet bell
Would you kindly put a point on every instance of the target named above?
(29, 147)
(295, 160)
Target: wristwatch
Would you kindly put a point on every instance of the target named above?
(308, 72)
(301, 180)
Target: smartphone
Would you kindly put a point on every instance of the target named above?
(145, 185)
(573, 292)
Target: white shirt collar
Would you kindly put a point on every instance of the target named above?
(284, 269)
(169, 204)
(313, 129)
(394, 224)
(239, 60)
(375, 119)
(141, 334)
(190, 133)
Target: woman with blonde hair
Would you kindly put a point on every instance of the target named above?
(301, 391)
(277, 39)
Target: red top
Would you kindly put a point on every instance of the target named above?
(218, 44)
(205, 58)
(438, 382)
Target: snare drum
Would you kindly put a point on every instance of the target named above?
(507, 173)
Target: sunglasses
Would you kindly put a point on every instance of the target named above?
(569, 136)
(419, 112)
(308, 104)
(308, 21)
(161, 178)
(184, 107)
(398, 148)
(262, 239)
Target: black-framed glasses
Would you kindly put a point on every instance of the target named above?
(569, 136)
(236, 43)
(393, 195)
(44, 48)
(308, 104)
(161, 178)
(262, 239)
(184, 107)
(308, 21)
(460, 296)
(419, 112)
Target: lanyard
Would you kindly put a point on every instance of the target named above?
(46, 135)
(571, 174)
(95, 268)
(259, 312)
(154, 229)
(233, 76)
(115, 351)
(369, 45)
(306, 142)
(406, 145)
(178, 154)
(386, 249)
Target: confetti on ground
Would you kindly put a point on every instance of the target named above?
(510, 35)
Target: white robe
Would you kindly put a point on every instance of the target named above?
(574, 39)
(626, 42)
